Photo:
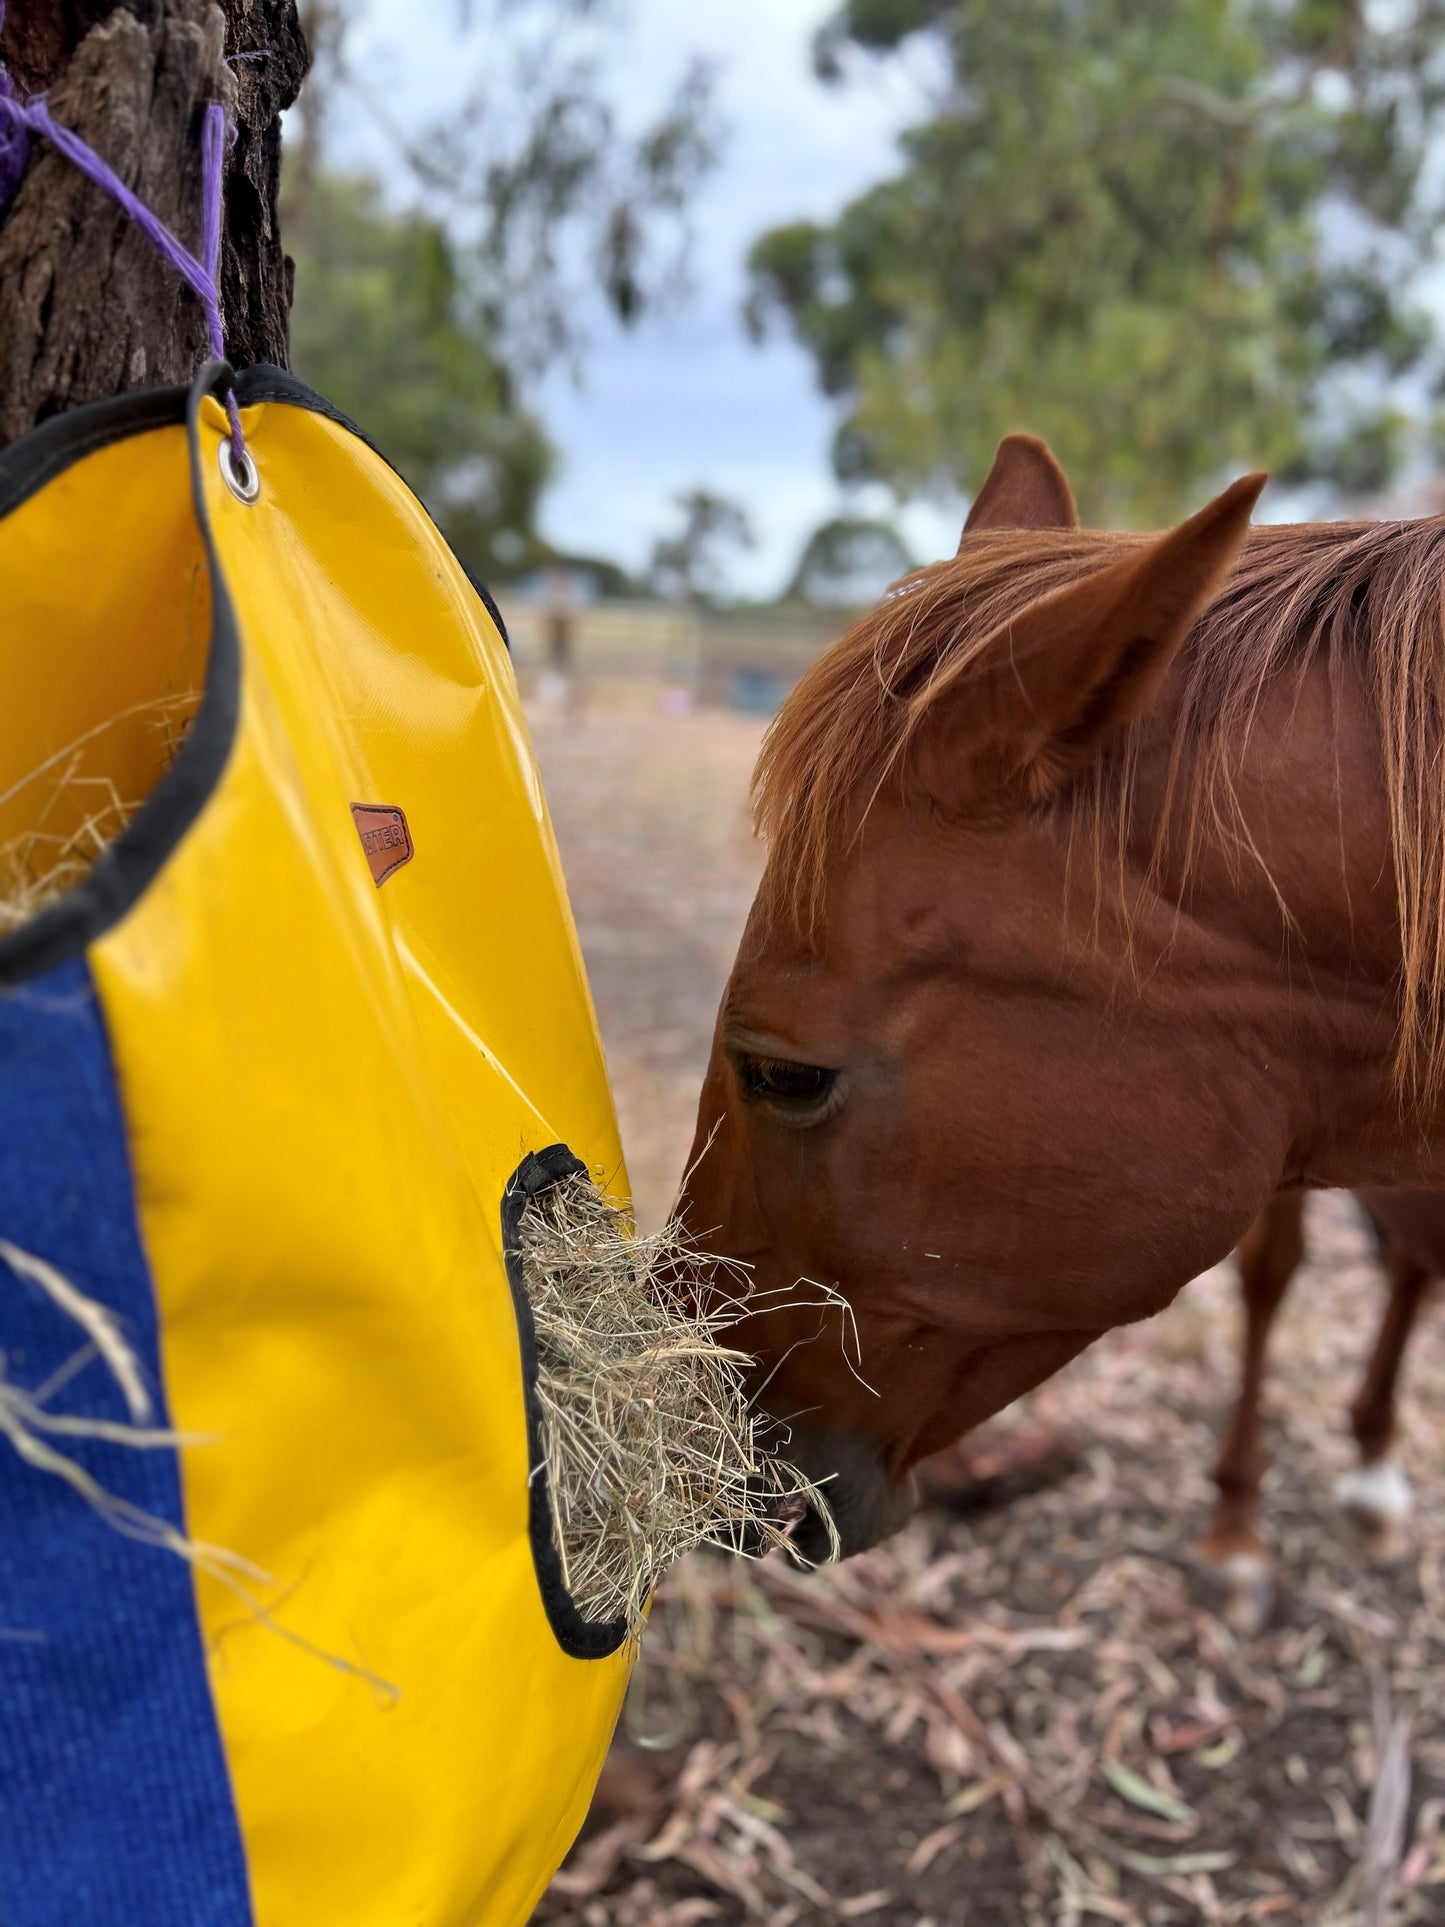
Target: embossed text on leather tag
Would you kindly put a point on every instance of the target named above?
(384, 837)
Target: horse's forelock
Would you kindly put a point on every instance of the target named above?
(843, 730)
(1372, 591)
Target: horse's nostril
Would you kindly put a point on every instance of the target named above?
(809, 1542)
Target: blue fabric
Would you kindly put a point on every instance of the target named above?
(115, 1804)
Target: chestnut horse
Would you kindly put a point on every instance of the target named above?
(1375, 1496)
(1105, 899)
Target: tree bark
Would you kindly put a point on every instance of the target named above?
(88, 309)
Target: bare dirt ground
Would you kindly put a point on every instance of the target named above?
(1029, 1713)
(651, 815)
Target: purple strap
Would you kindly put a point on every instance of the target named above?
(20, 119)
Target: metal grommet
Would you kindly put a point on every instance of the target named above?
(239, 472)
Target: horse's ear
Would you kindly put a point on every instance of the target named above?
(1043, 694)
(1025, 489)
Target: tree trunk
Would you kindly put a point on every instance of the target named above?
(88, 309)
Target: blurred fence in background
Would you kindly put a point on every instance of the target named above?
(735, 659)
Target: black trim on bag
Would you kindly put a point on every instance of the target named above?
(266, 382)
(579, 1638)
(47, 451)
(123, 872)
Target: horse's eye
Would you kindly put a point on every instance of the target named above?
(789, 1087)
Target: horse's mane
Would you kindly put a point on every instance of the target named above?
(1373, 592)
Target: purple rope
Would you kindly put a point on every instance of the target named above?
(20, 119)
(14, 135)
(216, 130)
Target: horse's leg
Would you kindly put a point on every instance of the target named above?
(1376, 1496)
(1268, 1256)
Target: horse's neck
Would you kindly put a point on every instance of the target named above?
(1295, 870)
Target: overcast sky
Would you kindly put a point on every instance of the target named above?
(686, 400)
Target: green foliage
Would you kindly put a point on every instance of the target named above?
(427, 318)
(686, 565)
(1172, 240)
(848, 561)
(385, 325)
(558, 198)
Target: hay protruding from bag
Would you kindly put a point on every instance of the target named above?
(650, 1446)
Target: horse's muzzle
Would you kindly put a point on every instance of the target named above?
(865, 1504)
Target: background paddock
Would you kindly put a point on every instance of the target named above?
(1026, 1714)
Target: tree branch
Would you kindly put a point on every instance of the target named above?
(87, 308)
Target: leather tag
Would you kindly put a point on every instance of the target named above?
(384, 837)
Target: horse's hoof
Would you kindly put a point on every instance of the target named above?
(1377, 1503)
(1239, 1586)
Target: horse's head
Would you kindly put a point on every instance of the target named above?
(977, 1093)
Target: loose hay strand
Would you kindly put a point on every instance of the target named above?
(649, 1444)
(40, 863)
(24, 1418)
(97, 1321)
(24, 1422)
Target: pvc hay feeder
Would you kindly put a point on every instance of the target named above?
(279, 1070)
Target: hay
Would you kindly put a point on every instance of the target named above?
(28, 1424)
(40, 866)
(42, 863)
(649, 1444)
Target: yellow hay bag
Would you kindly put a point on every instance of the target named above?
(274, 1080)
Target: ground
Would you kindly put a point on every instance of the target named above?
(1032, 1712)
